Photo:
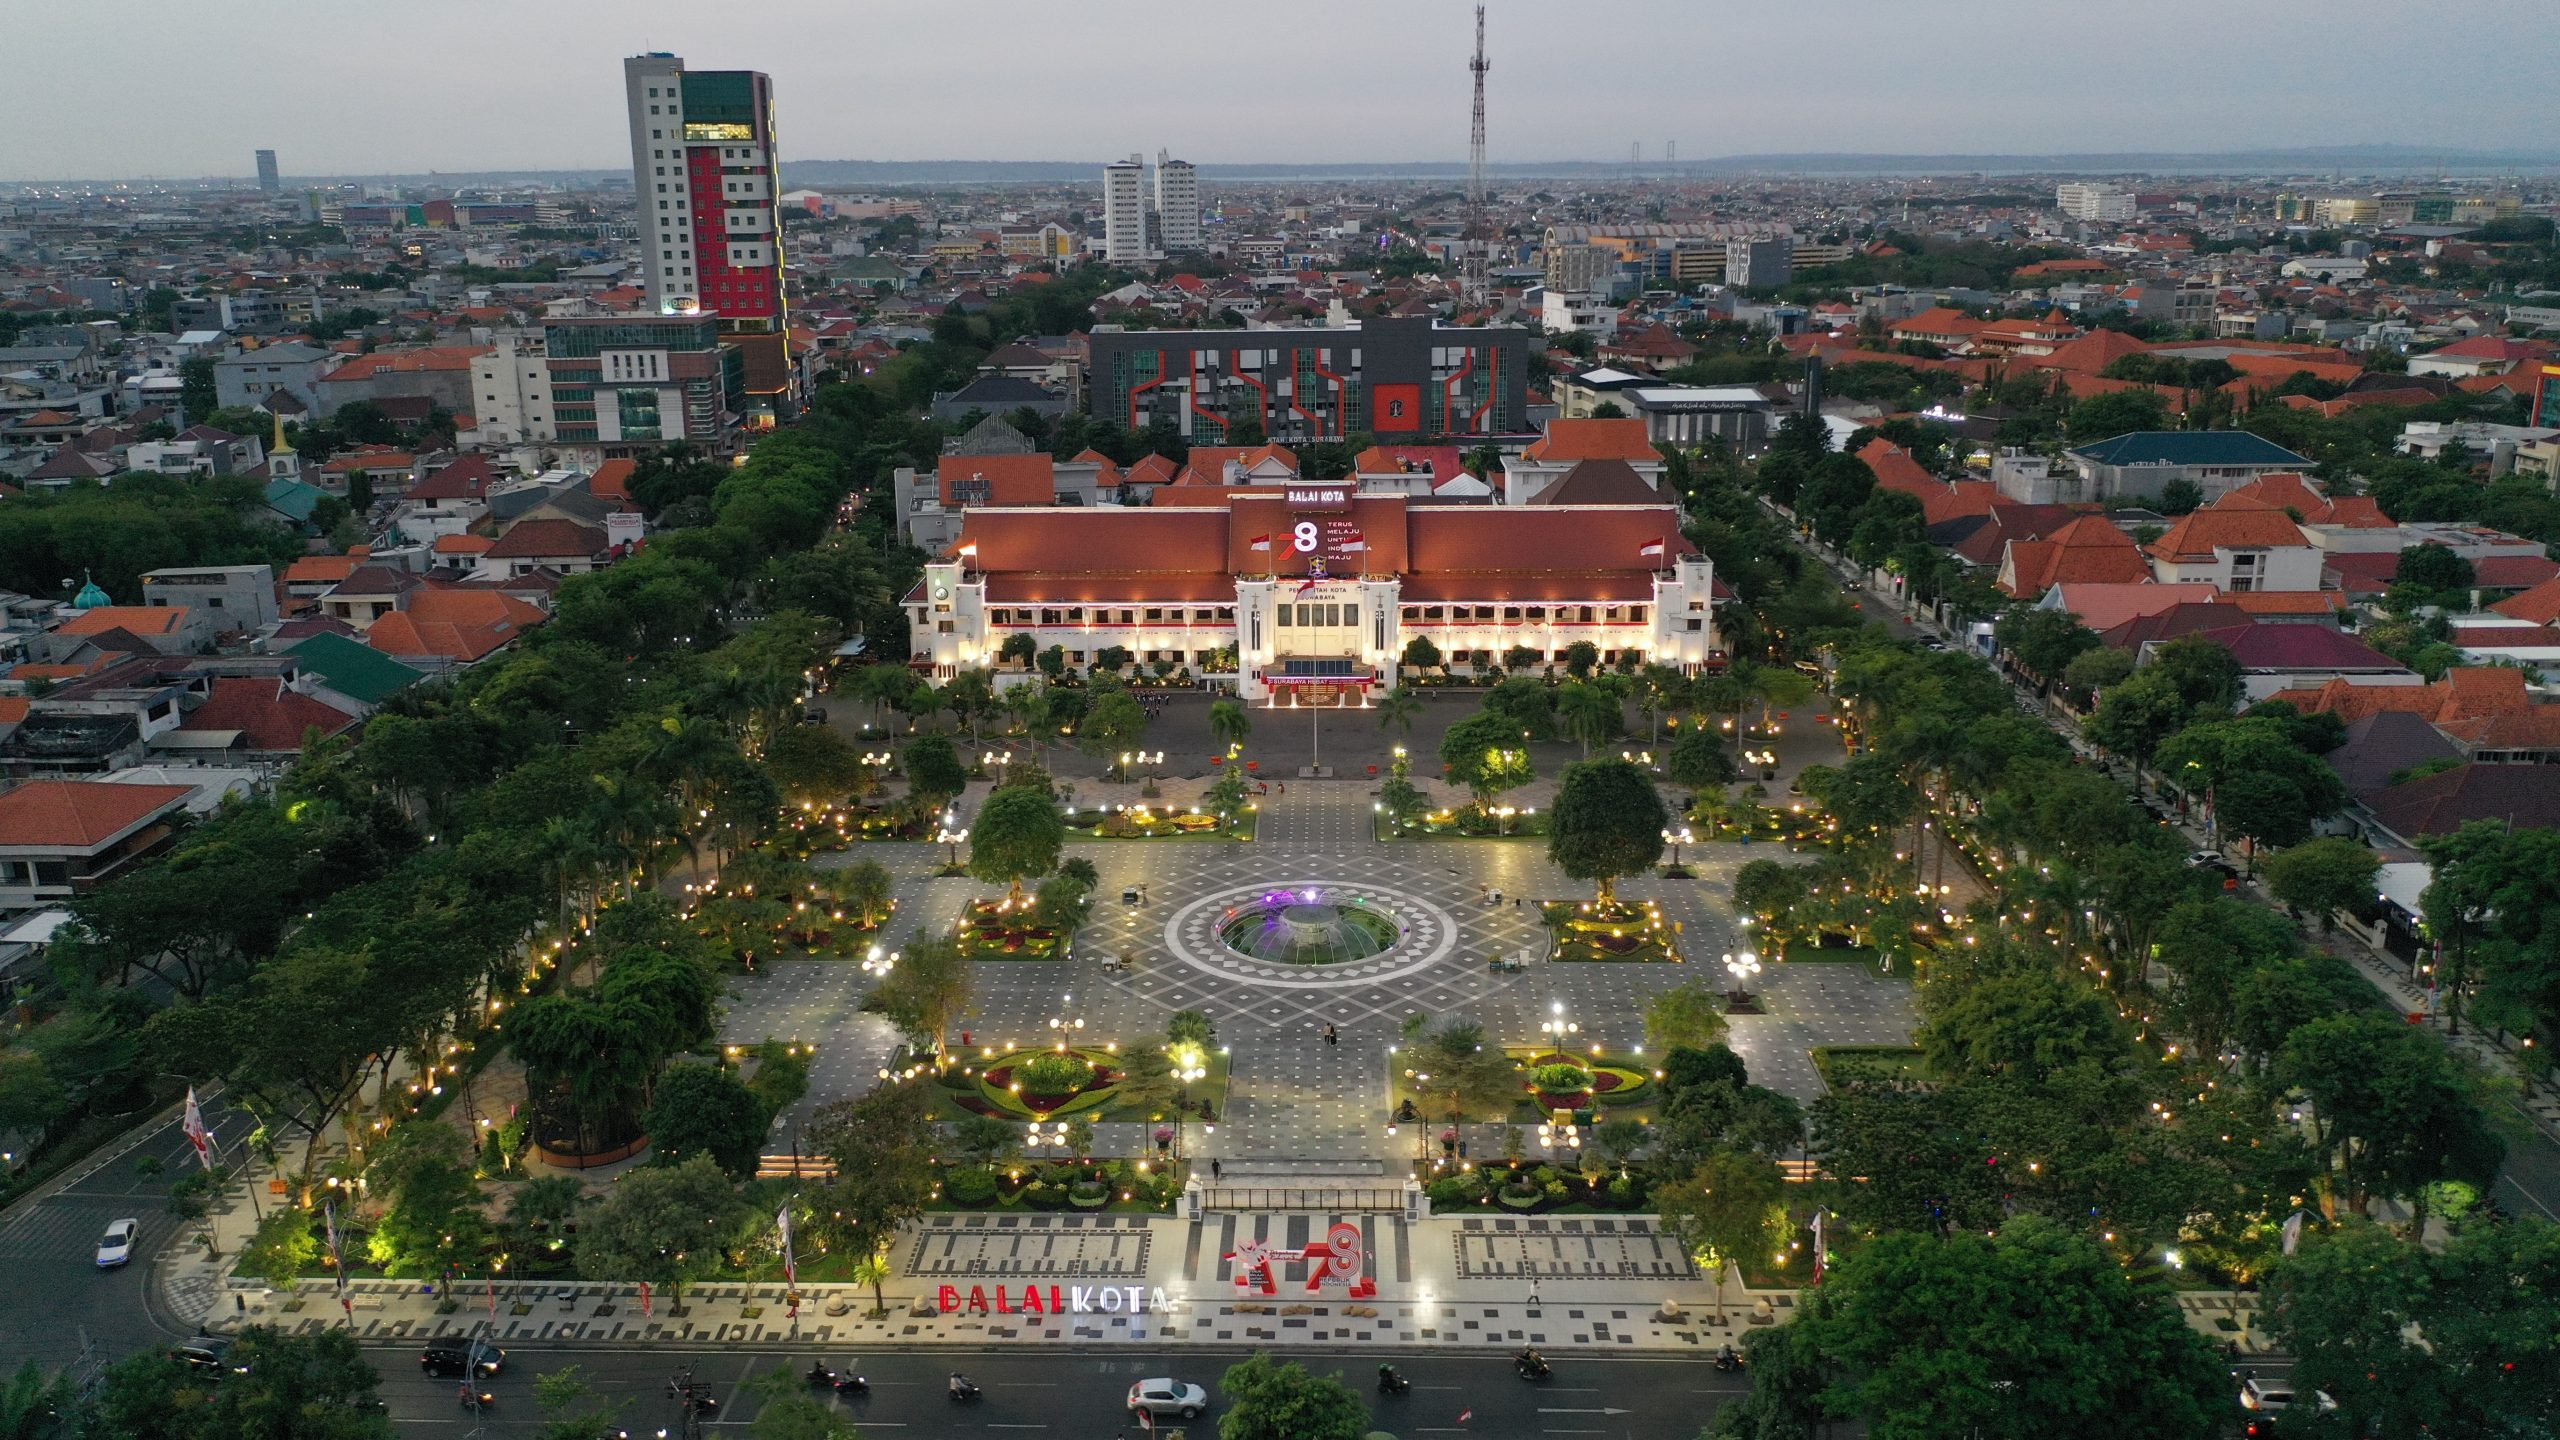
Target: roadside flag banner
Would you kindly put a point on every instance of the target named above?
(197, 1134)
(337, 1264)
(1259, 542)
(2293, 1231)
(1465, 1415)
(645, 1310)
(1821, 1255)
(1147, 1420)
(493, 1294)
(790, 1267)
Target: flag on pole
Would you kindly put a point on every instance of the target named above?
(790, 1267)
(645, 1309)
(197, 1134)
(1652, 551)
(337, 1264)
(1357, 542)
(969, 549)
(1259, 542)
(2293, 1231)
(1465, 1415)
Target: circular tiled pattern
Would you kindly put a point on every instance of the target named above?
(1429, 936)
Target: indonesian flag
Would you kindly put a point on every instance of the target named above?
(1355, 543)
(2293, 1232)
(1652, 551)
(197, 1134)
(790, 1266)
(1821, 1253)
(969, 549)
(1259, 542)
(645, 1308)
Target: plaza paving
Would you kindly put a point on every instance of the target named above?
(1299, 1105)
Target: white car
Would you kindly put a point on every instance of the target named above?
(116, 1246)
(2272, 1397)
(1161, 1398)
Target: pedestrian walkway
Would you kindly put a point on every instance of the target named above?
(1563, 1282)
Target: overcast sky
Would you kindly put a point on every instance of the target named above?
(131, 88)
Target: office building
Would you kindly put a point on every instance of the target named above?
(1124, 211)
(2083, 201)
(625, 385)
(1404, 379)
(268, 180)
(703, 170)
(1177, 205)
(1759, 262)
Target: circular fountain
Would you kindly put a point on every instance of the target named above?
(1307, 928)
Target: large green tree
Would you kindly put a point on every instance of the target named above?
(1019, 833)
(1607, 823)
(663, 1224)
(1948, 1339)
(1269, 1399)
(1487, 754)
(702, 1109)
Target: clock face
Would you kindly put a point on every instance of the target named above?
(941, 592)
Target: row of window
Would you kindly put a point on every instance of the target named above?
(1329, 615)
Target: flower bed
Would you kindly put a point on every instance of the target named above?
(997, 930)
(1043, 1085)
(1139, 822)
(1465, 823)
(1589, 931)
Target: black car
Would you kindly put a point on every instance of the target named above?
(450, 1357)
(207, 1355)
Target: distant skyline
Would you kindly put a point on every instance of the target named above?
(124, 89)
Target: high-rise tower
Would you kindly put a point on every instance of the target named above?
(1474, 283)
(1177, 204)
(704, 172)
(268, 180)
(1124, 211)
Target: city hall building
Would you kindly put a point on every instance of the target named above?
(1400, 380)
(1315, 587)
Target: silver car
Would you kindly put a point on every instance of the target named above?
(1163, 1398)
(116, 1246)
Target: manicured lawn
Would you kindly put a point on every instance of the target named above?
(1855, 1064)
(1143, 822)
(983, 1084)
(1461, 824)
(1625, 931)
(1624, 1086)
(1864, 957)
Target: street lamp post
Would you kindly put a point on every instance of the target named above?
(951, 836)
(1558, 1029)
(1066, 1024)
(1741, 966)
(1678, 838)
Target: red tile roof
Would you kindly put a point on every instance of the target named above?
(269, 714)
(2092, 353)
(400, 362)
(611, 480)
(2199, 534)
(550, 539)
(137, 619)
(1570, 440)
(80, 815)
(1009, 479)
(468, 478)
(2537, 606)
(2088, 549)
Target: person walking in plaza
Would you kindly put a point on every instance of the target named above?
(1329, 1037)
(1217, 1171)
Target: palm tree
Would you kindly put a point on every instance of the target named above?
(1664, 688)
(1398, 709)
(1229, 723)
(1586, 712)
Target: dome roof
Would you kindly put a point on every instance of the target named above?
(91, 597)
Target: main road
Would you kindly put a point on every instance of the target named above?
(1076, 1395)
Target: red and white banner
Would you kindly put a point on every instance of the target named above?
(1652, 551)
(790, 1267)
(1259, 542)
(197, 1134)
(645, 1309)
